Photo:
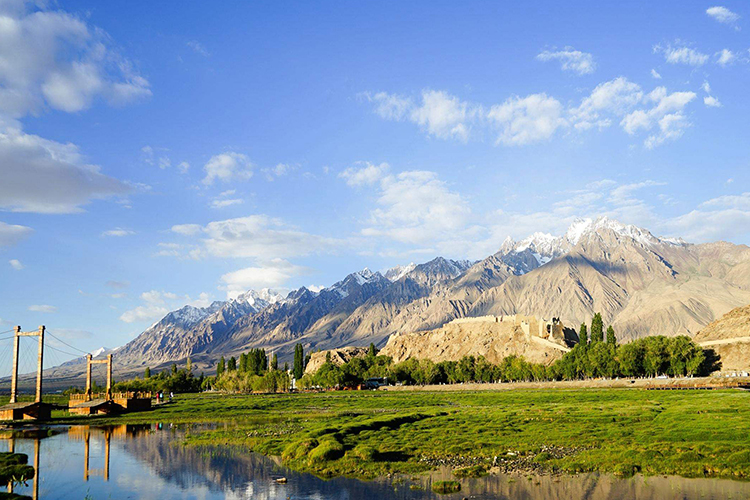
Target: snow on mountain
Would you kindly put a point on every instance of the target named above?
(98, 352)
(398, 272)
(259, 299)
(359, 278)
(584, 228)
(545, 247)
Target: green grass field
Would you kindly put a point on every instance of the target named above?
(366, 434)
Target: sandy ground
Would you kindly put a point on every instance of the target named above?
(647, 383)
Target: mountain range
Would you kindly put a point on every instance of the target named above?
(642, 285)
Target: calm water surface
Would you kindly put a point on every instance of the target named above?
(148, 462)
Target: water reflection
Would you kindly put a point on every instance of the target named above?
(150, 462)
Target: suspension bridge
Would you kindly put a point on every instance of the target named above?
(24, 359)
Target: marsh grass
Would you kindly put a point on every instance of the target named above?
(369, 434)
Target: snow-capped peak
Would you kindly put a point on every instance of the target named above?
(259, 299)
(585, 227)
(98, 352)
(398, 272)
(363, 276)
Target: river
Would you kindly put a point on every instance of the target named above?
(149, 462)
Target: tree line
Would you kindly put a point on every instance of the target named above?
(597, 356)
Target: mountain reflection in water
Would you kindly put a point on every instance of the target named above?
(149, 462)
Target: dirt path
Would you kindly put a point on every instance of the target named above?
(724, 341)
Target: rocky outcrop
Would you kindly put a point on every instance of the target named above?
(338, 357)
(729, 337)
(495, 340)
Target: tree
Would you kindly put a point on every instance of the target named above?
(630, 357)
(299, 360)
(611, 339)
(147, 373)
(220, 367)
(286, 366)
(597, 328)
(583, 336)
(232, 364)
(174, 368)
(275, 362)
(328, 357)
(373, 351)
(189, 364)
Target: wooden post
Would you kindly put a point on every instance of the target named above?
(14, 375)
(40, 367)
(109, 376)
(107, 438)
(88, 377)
(86, 455)
(35, 494)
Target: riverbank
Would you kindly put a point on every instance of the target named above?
(376, 433)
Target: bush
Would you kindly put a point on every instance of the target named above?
(625, 470)
(364, 452)
(328, 449)
(298, 449)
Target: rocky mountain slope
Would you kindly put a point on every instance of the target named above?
(729, 337)
(642, 285)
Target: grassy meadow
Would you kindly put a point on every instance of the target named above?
(371, 433)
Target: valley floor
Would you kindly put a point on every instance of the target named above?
(368, 434)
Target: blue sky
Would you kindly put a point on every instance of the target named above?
(157, 154)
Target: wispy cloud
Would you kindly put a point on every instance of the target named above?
(570, 59)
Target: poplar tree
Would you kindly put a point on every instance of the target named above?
(597, 328)
(275, 362)
(232, 364)
(611, 339)
(220, 367)
(299, 360)
(583, 335)
(147, 373)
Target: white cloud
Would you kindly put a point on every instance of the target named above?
(527, 120)
(183, 167)
(280, 170)
(711, 102)
(15, 264)
(43, 176)
(655, 74)
(186, 229)
(723, 15)
(725, 57)
(415, 207)
(365, 174)
(682, 55)
(273, 274)
(538, 117)
(254, 236)
(571, 60)
(615, 97)
(42, 308)
(444, 116)
(227, 166)
(11, 234)
(198, 48)
(51, 58)
(148, 312)
(666, 113)
(118, 232)
(156, 305)
(223, 203)
(390, 106)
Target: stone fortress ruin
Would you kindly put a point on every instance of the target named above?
(553, 330)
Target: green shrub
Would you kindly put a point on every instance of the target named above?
(328, 449)
(625, 470)
(298, 449)
(364, 452)
(543, 457)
